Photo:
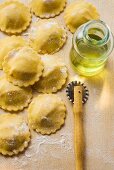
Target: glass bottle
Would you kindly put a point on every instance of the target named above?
(92, 43)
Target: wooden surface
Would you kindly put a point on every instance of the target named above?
(56, 152)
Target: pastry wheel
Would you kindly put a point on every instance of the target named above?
(78, 93)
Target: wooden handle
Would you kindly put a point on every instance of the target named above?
(78, 130)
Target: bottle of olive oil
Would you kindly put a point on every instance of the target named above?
(92, 44)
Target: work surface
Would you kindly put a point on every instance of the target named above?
(56, 152)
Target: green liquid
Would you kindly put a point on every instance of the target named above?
(87, 60)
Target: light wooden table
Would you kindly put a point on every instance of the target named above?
(56, 152)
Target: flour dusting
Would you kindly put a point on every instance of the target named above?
(38, 149)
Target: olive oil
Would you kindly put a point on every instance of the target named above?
(89, 54)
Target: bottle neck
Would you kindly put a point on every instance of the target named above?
(96, 33)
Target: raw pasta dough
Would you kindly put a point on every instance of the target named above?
(46, 113)
(54, 75)
(23, 66)
(13, 98)
(47, 36)
(78, 13)
(9, 43)
(47, 8)
(14, 134)
(15, 17)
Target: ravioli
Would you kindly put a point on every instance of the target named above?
(13, 98)
(46, 113)
(23, 66)
(54, 75)
(47, 8)
(15, 17)
(9, 43)
(78, 13)
(47, 36)
(14, 134)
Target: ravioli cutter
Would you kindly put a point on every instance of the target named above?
(78, 94)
